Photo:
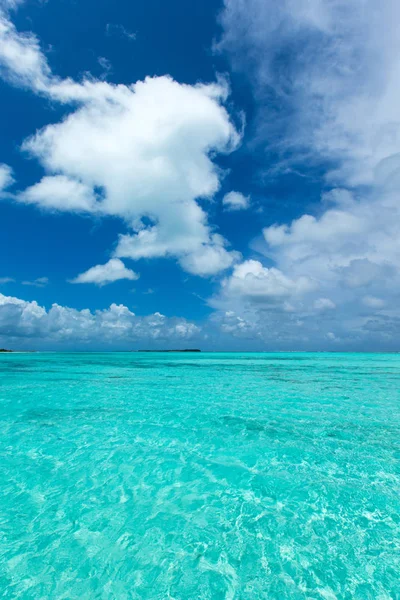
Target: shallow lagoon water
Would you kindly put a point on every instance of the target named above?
(200, 476)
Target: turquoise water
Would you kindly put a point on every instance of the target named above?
(211, 476)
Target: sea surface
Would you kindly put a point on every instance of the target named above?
(200, 476)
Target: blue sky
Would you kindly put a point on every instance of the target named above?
(222, 175)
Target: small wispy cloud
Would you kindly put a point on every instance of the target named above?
(6, 280)
(39, 282)
(106, 65)
(235, 201)
(119, 30)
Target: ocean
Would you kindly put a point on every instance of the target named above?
(200, 476)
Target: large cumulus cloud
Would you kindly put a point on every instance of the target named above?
(141, 152)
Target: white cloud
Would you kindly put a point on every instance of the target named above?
(10, 4)
(143, 153)
(232, 324)
(209, 259)
(373, 302)
(18, 317)
(113, 270)
(334, 97)
(137, 152)
(26, 324)
(235, 201)
(355, 247)
(39, 282)
(251, 281)
(324, 304)
(106, 65)
(325, 80)
(4, 280)
(21, 60)
(6, 177)
(338, 273)
(119, 30)
(59, 192)
(336, 90)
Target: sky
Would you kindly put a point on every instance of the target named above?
(221, 175)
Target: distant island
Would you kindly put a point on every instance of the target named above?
(4, 350)
(184, 350)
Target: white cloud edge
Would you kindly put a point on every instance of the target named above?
(6, 177)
